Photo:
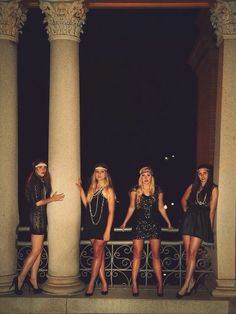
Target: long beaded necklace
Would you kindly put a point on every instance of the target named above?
(201, 202)
(93, 214)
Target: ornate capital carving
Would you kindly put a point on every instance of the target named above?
(12, 18)
(223, 20)
(64, 20)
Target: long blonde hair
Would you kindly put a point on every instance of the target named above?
(139, 188)
(93, 182)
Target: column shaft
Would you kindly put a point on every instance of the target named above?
(64, 148)
(11, 20)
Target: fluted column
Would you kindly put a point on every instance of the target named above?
(64, 22)
(224, 22)
(12, 17)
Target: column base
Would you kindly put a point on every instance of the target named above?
(225, 288)
(5, 283)
(65, 285)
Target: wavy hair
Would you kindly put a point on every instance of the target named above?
(139, 188)
(93, 181)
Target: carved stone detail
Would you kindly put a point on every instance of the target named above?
(12, 18)
(223, 20)
(64, 20)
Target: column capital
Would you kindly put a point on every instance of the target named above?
(223, 19)
(64, 20)
(12, 18)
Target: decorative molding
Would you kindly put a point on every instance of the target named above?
(223, 20)
(64, 20)
(12, 19)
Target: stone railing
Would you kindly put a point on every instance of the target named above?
(118, 258)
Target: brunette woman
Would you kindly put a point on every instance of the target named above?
(99, 205)
(145, 200)
(38, 191)
(199, 203)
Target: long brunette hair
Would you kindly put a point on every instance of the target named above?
(33, 177)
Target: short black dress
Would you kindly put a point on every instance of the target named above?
(96, 215)
(146, 224)
(196, 220)
(38, 215)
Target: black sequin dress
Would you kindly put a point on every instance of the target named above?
(38, 215)
(196, 220)
(96, 215)
(146, 223)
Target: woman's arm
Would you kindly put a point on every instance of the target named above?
(81, 191)
(213, 204)
(131, 208)
(185, 198)
(162, 209)
(55, 197)
(110, 195)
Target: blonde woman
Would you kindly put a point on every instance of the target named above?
(145, 200)
(99, 205)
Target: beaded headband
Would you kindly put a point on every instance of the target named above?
(40, 164)
(146, 169)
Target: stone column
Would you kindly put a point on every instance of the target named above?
(12, 17)
(64, 23)
(224, 22)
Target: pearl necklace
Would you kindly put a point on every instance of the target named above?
(93, 214)
(201, 202)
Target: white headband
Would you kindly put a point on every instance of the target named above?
(100, 168)
(41, 164)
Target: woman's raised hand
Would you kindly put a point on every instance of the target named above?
(79, 184)
(57, 197)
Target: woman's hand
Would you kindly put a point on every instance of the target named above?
(122, 226)
(79, 184)
(106, 236)
(57, 197)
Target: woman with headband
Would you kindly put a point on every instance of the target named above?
(199, 203)
(37, 192)
(145, 201)
(99, 203)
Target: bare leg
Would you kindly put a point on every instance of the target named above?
(102, 274)
(37, 244)
(137, 254)
(98, 251)
(186, 241)
(34, 272)
(156, 263)
(193, 249)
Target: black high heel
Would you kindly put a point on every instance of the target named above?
(179, 295)
(16, 286)
(135, 294)
(194, 288)
(30, 285)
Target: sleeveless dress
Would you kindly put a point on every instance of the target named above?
(38, 215)
(96, 215)
(196, 220)
(146, 223)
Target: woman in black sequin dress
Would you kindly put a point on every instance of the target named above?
(199, 203)
(99, 213)
(145, 201)
(38, 191)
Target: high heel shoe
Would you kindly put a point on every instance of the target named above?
(193, 288)
(30, 285)
(135, 293)
(160, 292)
(16, 286)
(179, 295)
(104, 292)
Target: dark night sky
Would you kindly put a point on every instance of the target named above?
(138, 97)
